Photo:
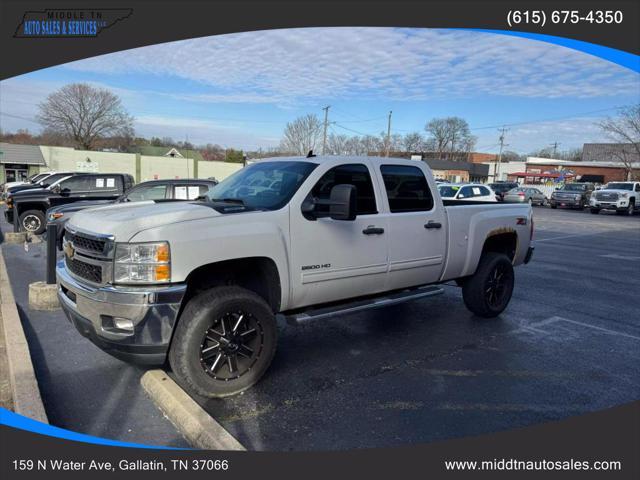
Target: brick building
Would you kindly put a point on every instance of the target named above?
(544, 170)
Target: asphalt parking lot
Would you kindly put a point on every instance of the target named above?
(83, 389)
(569, 343)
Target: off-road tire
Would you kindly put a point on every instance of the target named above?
(201, 314)
(475, 290)
(36, 219)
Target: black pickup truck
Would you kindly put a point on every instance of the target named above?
(31, 205)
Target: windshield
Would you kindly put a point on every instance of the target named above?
(501, 187)
(263, 185)
(620, 186)
(572, 187)
(448, 191)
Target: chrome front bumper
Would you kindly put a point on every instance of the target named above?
(153, 312)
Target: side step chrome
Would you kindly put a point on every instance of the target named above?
(358, 306)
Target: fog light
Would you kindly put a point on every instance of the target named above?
(123, 323)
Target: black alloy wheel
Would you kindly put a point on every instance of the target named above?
(231, 346)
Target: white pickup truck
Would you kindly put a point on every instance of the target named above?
(201, 283)
(623, 197)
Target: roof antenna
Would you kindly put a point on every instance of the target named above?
(311, 154)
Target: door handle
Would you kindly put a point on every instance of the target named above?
(431, 224)
(373, 231)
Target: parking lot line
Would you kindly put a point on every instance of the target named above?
(551, 320)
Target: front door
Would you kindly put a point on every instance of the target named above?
(334, 259)
(417, 230)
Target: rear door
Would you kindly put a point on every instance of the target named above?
(417, 230)
(105, 187)
(333, 259)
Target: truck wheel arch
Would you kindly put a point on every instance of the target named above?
(502, 241)
(258, 274)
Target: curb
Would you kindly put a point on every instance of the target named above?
(24, 385)
(186, 415)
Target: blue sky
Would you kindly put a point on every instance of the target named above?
(239, 90)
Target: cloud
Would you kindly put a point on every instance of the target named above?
(293, 65)
(571, 133)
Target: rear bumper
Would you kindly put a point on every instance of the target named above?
(153, 312)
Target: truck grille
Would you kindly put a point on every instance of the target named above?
(85, 243)
(565, 196)
(607, 196)
(88, 271)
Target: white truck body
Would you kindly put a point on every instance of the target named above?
(295, 262)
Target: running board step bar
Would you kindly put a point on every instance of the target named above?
(358, 306)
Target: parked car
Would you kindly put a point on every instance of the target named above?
(474, 192)
(154, 190)
(572, 195)
(533, 196)
(502, 187)
(42, 180)
(33, 179)
(623, 197)
(200, 283)
(31, 205)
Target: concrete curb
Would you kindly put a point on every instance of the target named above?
(186, 415)
(24, 386)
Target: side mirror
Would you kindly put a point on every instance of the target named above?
(56, 189)
(343, 202)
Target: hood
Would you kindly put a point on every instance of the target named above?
(615, 190)
(123, 220)
(81, 205)
(28, 190)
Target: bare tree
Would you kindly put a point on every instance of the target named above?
(413, 142)
(302, 135)
(451, 137)
(85, 114)
(625, 129)
(337, 144)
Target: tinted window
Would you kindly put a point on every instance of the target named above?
(484, 191)
(356, 175)
(466, 192)
(104, 184)
(148, 192)
(448, 191)
(76, 184)
(407, 189)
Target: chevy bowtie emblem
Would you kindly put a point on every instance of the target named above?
(69, 250)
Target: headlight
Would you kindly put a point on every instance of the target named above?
(577, 196)
(55, 216)
(623, 195)
(142, 263)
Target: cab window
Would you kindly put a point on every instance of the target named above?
(407, 189)
(352, 174)
(147, 192)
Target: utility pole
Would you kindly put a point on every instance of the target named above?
(496, 176)
(388, 142)
(555, 148)
(326, 124)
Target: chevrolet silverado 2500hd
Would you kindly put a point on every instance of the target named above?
(201, 283)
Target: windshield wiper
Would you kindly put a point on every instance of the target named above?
(228, 200)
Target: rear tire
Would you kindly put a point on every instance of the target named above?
(224, 341)
(595, 211)
(33, 221)
(488, 292)
(554, 206)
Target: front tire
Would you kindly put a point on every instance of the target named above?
(488, 292)
(595, 211)
(33, 221)
(224, 341)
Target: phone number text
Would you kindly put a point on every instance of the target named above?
(541, 17)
